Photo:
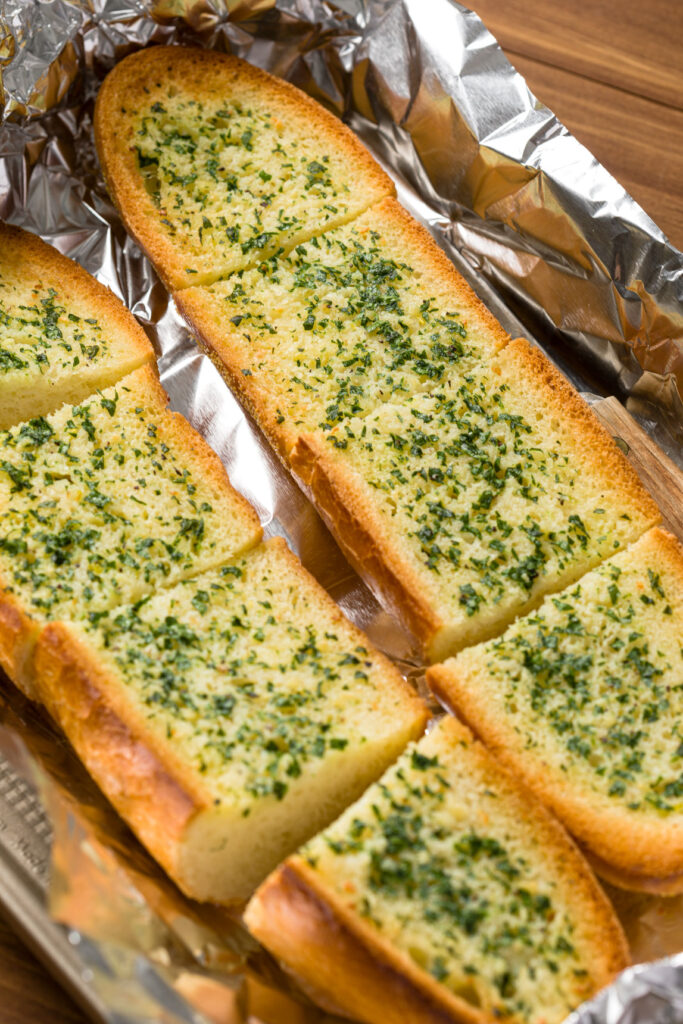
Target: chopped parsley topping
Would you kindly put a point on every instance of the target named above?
(431, 858)
(595, 678)
(233, 182)
(231, 667)
(38, 335)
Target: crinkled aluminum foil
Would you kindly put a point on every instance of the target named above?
(550, 241)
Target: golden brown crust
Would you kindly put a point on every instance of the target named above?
(633, 853)
(347, 965)
(341, 964)
(142, 782)
(17, 635)
(366, 542)
(26, 256)
(201, 72)
(668, 550)
(146, 384)
(672, 885)
(594, 445)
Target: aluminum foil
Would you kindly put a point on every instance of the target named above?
(550, 241)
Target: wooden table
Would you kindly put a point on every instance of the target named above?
(613, 74)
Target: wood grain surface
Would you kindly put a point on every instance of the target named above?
(613, 74)
(28, 995)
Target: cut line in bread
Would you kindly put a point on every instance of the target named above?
(445, 894)
(583, 699)
(461, 473)
(464, 506)
(362, 315)
(215, 164)
(62, 334)
(228, 718)
(104, 502)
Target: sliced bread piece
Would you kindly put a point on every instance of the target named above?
(583, 699)
(341, 324)
(465, 506)
(229, 718)
(62, 334)
(102, 503)
(445, 894)
(215, 164)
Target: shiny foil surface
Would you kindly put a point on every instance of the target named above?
(549, 240)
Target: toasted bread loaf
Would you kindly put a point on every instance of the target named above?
(215, 164)
(351, 319)
(463, 507)
(62, 335)
(228, 718)
(584, 700)
(465, 482)
(104, 502)
(445, 894)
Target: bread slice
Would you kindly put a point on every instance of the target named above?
(62, 335)
(102, 503)
(584, 700)
(228, 718)
(445, 894)
(341, 324)
(463, 507)
(214, 164)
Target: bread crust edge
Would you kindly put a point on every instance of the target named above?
(603, 843)
(303, 922)
(139, 780)
(352, 522)
(131, 199)
(18, 634)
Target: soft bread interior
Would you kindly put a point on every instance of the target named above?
(358, 316)
(224, 855)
